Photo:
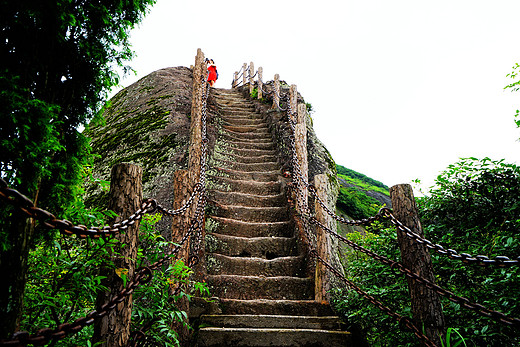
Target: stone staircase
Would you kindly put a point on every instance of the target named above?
(254, 264)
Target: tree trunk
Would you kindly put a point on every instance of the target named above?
(13, 271)
(125, 198)
(426, 306)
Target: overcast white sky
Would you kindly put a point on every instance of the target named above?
(401, 89)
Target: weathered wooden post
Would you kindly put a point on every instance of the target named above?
(180, 225)
(426, 305)
(260, 83)
(125, 198)
(293, 101)
(244, 74)
(300, 141)
(195, 149)
(276, 92)
(323, 242)
(235, 80)
(251, 77)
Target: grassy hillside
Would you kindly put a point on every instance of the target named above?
(359, 196)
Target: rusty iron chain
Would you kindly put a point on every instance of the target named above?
(386, 213)
(480, 309)
(500, 261)
(143, 275)
(22, 202)
(402, 320)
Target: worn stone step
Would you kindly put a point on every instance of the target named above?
(249, 186)
(244, 121)
(243, 199)
(235, 227)
(259, 176)
(249, 152)
(250, 214)
(246, 167)
(258, 287)
(249, 130)
(272, 321)
(254, 156)
(238, 139)
(218, 264)
(259, 247)
(261, 337)
(199, 306)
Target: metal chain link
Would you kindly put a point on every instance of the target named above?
(22, 202)
(500, 261)
(483, 311)
(142, 275)
(403, 321)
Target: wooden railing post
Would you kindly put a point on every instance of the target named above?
(180, 224)
(293, 100)
(426, 305)
(323, 242)
(276, 94)
(195, 149)
(300, 142)
(125, 198)
(244, 74)
(251, 77)
(260, 82)
(235, 80)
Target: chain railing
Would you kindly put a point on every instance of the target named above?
(142, 275)
(299, 184)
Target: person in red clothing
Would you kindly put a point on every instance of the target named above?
(212, 69)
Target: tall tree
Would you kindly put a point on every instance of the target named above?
(58, 58)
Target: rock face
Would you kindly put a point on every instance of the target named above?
(146, 124)
(255, 264)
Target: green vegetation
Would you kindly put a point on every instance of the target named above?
(57, 66)
(353, 199)
(473, 208)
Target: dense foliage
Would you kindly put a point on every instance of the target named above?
(57, 66)
(67, 282)
(473, 208)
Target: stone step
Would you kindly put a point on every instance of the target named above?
(261, 337)
(251, 152)
(246, 167)
(218, 264)
(259, 176)
(244, 121)
(200, 306)
(254, 156)
(234, 227)
(239, 139)
(250, 130)
(258, 287)
(250, 214)
(250, 200)
(248, 187)
(258, 247)
(273, 321)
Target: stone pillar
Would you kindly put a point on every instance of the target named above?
(426, 306)
(323, 242)
(125, 198)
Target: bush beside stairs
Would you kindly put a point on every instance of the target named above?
(255, 268)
